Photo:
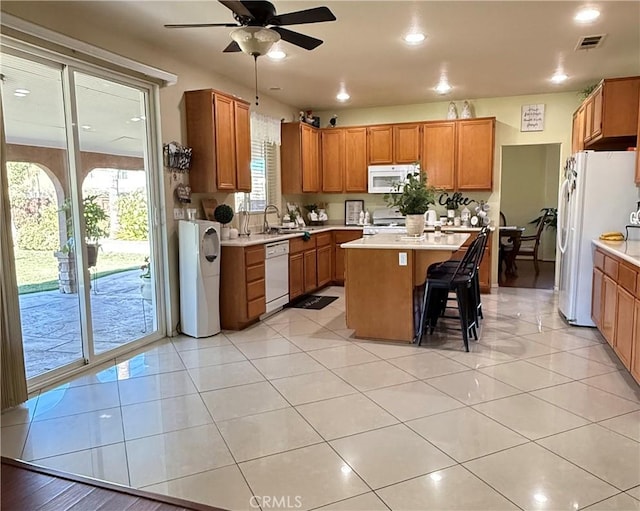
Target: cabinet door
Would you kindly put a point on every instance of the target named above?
(596, 117)
(338, 266)
(296, 275)
(243, 147)
(355, 168)
(609, 309)
(588, 119)
(635, 351)
(310, 275)
(333, 160)
(324, 265)
(577, 138)
(406, 143)
(225, 142)
(475, 154)
(380, 144)
(596, 297)
(624, 327)
(310, 159)
(439, 153)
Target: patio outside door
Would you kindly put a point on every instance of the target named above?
(81, 191)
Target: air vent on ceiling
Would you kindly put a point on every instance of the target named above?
(590, 42)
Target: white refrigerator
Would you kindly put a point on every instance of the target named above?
(596, 196)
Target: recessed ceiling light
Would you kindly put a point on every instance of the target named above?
(276, 54)
(19, 94)
(586, 15)
(23, 91)
(443, 87)
(559, 77)
(414, 38)
(342, 96)
(135, 119)
(86, 127)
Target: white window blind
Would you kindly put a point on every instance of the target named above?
(265, 140)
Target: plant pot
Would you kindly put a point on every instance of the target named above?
(92, 255)
(225, 233)
(415, 225)
(146, 289)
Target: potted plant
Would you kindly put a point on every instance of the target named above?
(146, 290)
(96, 223)
(412, 198)
(549, 216)
(223, 214)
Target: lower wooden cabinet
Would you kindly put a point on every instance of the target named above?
(302, 267)
(635, 351)
(341, 237)
(596, 297)
(609, 302)
(310, 271)
(242, 286)
(324, 274)
(624, 326)
(296, 275)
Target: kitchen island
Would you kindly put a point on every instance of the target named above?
(382, 273)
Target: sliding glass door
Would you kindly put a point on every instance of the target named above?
(82, 191)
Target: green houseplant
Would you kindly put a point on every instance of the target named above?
(223, 214)
(96, 222)
(413, 198)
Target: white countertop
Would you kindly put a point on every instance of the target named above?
(626, 250)
(261, 239)
(396, 242)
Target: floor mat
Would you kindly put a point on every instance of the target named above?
(314, 302)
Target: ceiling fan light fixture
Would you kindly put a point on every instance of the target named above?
(587, 15)
(276, 54)
(255, 41)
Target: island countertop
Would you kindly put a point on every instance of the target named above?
(431, 241)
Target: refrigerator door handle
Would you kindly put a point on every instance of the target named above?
(562, 244)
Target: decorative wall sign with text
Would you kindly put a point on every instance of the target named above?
(532, 118)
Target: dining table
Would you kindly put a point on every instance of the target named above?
(512, 234)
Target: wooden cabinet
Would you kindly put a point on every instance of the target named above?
(484, 275)
(355, 168)
(406, 143)
(302, 267)
(615, 307)
(458, 155)
(638, 148)
(242, 286)
(333, 160)
(300, 158)
(218, 132)
(608, 117)
(296, 275)
(341, 237)
(310, 271)
(380, 145)
(324, 258)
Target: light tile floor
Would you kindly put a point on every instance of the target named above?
(293, 412)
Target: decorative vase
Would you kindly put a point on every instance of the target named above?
(415, 225)
(225, 233)
(452, 112)
(466, 111)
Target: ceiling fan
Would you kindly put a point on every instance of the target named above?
(261, 27)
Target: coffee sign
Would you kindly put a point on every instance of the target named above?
(532, 118)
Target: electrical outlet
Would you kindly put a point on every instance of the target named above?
(178, 214)
(402, 259)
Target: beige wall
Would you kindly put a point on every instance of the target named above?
(559, 109)
(171, 100)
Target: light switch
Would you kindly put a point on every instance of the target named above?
(178, 214)
(402, 258)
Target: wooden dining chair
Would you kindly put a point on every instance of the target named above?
(505, 246)
(529, 245)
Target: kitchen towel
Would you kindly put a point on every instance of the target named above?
(314, 302)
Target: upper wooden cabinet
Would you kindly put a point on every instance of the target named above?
(218, 132)
(344, 160)
(393, 143)
(608, 117)
(380, 145)
(458, 155)
(638, 148)
(300, 158)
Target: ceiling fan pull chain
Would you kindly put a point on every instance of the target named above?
(255, 66)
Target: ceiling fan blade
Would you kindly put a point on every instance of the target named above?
(315, 15)
(237, 7)
(233, 46)
(201, 25)
(304, 41)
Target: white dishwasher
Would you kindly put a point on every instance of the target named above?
(276, 275)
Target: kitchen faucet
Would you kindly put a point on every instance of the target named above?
(265, 223)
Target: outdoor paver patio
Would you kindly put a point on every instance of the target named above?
(51, 321)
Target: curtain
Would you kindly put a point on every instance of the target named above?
(265, 129)
(13, 378)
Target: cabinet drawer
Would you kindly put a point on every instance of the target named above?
(346, 236)
(255, 273)
(297, 245)
(256, 307)
(323, 239)
(254, 255)
(627, 277)
(255, 289)
(611, 267)
(598, 260)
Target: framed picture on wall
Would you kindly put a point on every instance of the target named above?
(352, 209)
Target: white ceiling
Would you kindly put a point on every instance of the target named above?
(487, 49)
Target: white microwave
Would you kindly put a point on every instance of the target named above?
(384, 178)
